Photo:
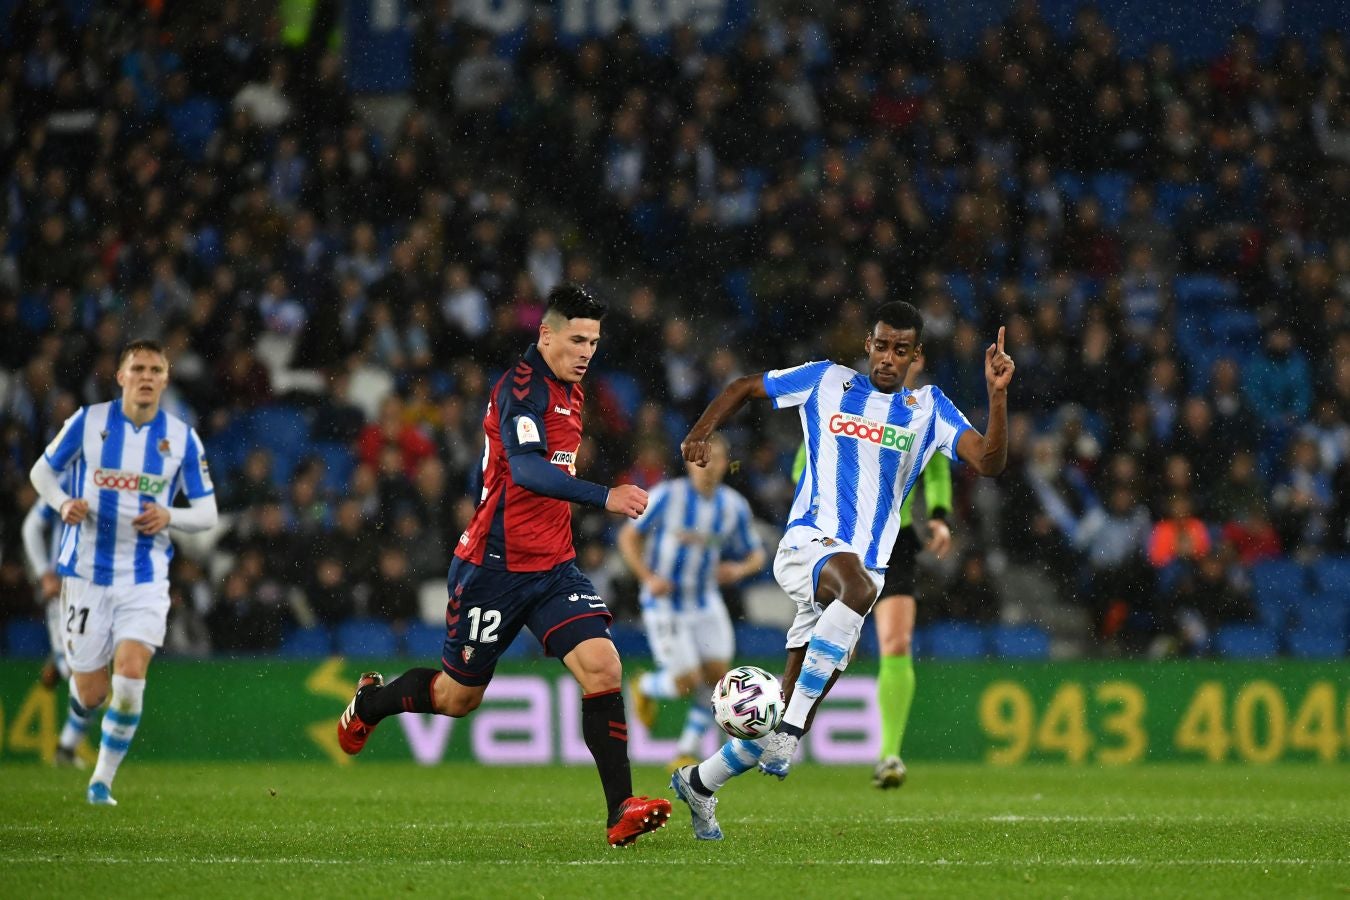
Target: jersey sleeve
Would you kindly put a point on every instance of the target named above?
(68, 445)
(521, 413)
(195, 475)
(791, 387)
(657, 501)
(949, 423)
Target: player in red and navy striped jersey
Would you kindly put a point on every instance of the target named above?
(515, 565)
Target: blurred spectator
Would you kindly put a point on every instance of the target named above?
(1180, 535)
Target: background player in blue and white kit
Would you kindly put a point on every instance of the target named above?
(695, 536)
(867, 440)
(128, 460)
(41, 531)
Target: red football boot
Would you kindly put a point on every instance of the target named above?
(637, 816)
(351, 731)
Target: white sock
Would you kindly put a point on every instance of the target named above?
(835, 633)
(659, 685)
(695, 724)
(119, 726)
(77, 721)
(736, 757)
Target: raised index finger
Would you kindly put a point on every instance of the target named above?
(1001, 330)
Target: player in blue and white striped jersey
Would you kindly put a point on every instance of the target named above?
(41, 537)
(128, 459)
(695, 536)
(867, 440)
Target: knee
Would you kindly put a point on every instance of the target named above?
(896, 644)
(600, 672)
(859, 595)
(91, 698)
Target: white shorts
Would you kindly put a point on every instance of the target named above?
(55, 635)
(796, 566)
(95, 618)
(682, 641)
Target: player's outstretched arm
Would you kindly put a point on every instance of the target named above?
(724, 406)
(538, 476)
(988, 453)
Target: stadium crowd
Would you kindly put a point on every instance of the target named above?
(1167, 243)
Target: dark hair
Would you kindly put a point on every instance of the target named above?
(141, 346)
(902, 316)
(572, 301)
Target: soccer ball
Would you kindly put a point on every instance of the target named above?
(748, 702)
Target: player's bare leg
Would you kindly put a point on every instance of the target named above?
(604, 725)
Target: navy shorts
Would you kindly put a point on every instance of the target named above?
(488, 607)
(900, 573)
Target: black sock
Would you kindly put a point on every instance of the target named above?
(410, 692)
(793, 730)
(604, 725)
(696, 782)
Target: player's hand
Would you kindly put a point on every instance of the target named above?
(696, 450)
(939, 538)
(74, 511)
(50, 585)
(658, 586)
(152, 520)
(626, 500)
(998, 366)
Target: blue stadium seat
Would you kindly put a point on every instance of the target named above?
(282, 429)
(962, 289)
(627, 393)
(339, 461)
(1246, 642)
(736, 285)
(307, 643)
(1305, 644)
(1332, 576)
(27, 639)
(1206, 293)
(423, 640)
(1020, 642)
(367, 638)
(629, 641)
(1278, 585)
(759, 641)
(955, 640)
(1112, 190)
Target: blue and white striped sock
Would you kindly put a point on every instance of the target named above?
(736, 757)
(119, 726)
(659, 685)
(832, 639)
(695, 725)
(77, 723)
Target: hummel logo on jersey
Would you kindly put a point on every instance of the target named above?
(562, 410)
(103, 434)
(891, 437)
(116, 480)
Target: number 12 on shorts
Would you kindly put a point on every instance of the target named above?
(483, 624)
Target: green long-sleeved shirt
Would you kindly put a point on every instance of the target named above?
(937, 485)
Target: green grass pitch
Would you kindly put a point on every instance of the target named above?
(396, 830)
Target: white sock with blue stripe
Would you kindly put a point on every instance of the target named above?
(832, 640)
(736, 757)
(695, 725)
(77, 722)
(119, 726)
(659, 685)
